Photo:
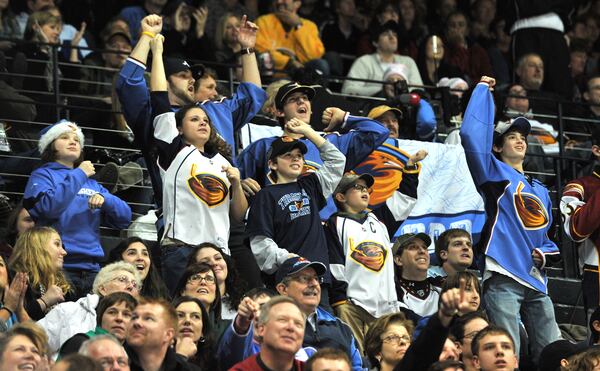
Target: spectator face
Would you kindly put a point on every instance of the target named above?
(287, 5)
(68, 148)
(190, 320)
(580, 31)
(3, 4)
(592, 29)
(202, 286)
(394, 343)
(407, 9)
(518, 104)
(149, 328)
(230, 32)
(196, 126)
(3, 274)
(24, 221)
(284, 330)
(357, 197)
(181, 86)
(216, 261)
(305, 288)
(346, 8)
(55, 248)
(485, 12)
(21, 354)
(414, 259)
(122, 281)
(36, 5)
(289, 165)
(513, 147)
(472, 296)
(111, 356)
(388, 14)
(137, 255)
(450, 351)
(496, 352)
(446, 7)
(116, 320)
(387, 42)
(327, 364)
(390, 121)
(52, 32)
(472, 328)
(578, 62)
(457, 27)
(459, 254)
(297, 105)
(120, 44)
(592, 95)
(532, 73)
(429, 50)
(206, 89)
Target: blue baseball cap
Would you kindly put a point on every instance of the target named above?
(296, 264)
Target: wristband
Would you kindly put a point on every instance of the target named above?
(10, 312)
(246, 51)
(44, 301)
(150, 34)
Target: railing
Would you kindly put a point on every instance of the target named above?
(63, 107)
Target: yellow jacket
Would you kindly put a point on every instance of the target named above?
(303, 42)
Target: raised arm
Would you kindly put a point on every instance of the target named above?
(158, 79)
(247, 40)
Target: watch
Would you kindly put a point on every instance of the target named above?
(246, 51)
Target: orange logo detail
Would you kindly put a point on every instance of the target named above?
(530, 209)
(370, 255)
(209, 188)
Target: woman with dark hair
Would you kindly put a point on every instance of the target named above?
(133, 250)
(412, 28)
(200, 281)
(201, 188)
(387, 340)
(19, 221)
(430, 60)
(230, 286)
(62, 194)
(195, 339)
(113, 314)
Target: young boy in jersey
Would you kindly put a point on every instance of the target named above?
(360, 251)
(494, 349)
(416, 293)
(454, 249)
(515, 238)
(284, 217)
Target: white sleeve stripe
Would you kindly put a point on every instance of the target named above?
(134, 61)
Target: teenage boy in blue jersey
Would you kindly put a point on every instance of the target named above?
(515, 238)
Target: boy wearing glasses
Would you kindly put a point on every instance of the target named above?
(360, 254)
(284, 220)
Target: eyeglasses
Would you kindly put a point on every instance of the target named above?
(197, 278)
(361, 188)
(305, 279)
(126, 281)
(396, 339)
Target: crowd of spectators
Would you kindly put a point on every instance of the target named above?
(158, 218)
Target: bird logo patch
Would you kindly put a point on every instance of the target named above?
(530, 209)
(369, 254)
(209, 188)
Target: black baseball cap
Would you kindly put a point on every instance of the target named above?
(289, 88)
(176, 65)
(381, 28)
(406, 239)
(283, 145)
(296, 264)
(349, 180)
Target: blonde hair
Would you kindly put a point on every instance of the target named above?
(31, 255)
(271, 90)
(221, 24)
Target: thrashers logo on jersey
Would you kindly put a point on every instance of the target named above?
(530, 209)
(297, 204)
(385, 164)
(209, 188)
(369, 254)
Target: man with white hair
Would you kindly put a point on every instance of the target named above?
(70, 318)
(106, 350)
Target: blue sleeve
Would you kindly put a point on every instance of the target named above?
(233, 348)
(252, 160)
(135, 101)
(364, 136)
(477, 135)
(357, 363)
(245, 104)
(116, 212)
(426, 122)
(46, 198)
